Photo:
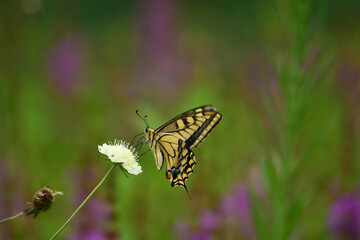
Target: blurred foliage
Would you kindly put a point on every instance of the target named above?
(284, 74)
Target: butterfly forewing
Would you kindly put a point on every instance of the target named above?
(172, 141)
(192, 126)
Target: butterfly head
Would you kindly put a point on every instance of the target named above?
(149, 134)
(148, 131)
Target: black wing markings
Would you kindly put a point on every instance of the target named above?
(205, 108)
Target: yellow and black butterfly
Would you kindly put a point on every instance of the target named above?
(171, 143)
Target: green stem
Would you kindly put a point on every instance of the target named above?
(11, 218)
(82, 204)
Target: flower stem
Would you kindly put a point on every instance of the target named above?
(13, 217)
(82, 204)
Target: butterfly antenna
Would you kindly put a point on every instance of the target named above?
(146, 121)
(143, 118)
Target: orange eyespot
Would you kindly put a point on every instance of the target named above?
(168, 175)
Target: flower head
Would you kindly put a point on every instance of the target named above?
(65, 64)
(123, 153)
(235, 206)
(42, 200)
(210, 220)
(344, 218)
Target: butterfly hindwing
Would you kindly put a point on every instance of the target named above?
(178, 170)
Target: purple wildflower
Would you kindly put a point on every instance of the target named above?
(11, 201)
(182, 229)
(231, 219)
(209, 220)
(160, 63)
(90, 234)
(65, 63)
(200, 234)
(344, 219)
(208, 223)
(99, 209)
(95, 216)
(236, 207)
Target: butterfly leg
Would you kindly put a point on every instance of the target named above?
(139, 142)
(133, 140)
(144, 152)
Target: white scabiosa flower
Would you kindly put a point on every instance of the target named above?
(123, 153)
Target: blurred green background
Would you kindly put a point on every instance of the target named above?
(282, 164)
